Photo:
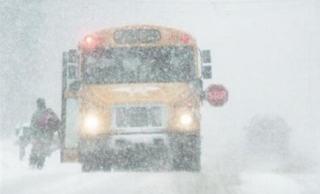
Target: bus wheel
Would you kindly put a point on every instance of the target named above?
(90, 163)
(186, 153)
(193, 162)
(106, 166)
(86, 167)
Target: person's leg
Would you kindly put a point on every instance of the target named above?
(21, 149)
(43, 154)
(41, 161)
(33, 159)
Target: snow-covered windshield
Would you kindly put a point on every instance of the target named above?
(139, 65)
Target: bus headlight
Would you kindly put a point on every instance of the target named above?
(91, 124)
(186, 119)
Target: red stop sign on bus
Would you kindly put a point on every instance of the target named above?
(217, 95)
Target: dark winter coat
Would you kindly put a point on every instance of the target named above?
(44, 123)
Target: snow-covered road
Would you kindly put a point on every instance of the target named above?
(17, 178)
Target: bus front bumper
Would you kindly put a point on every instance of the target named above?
(137, 146)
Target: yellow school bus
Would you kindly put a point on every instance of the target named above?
(131, 99)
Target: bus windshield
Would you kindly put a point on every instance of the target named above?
(139, 65)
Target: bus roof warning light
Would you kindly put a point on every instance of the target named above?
(89, 39)
(185, 38)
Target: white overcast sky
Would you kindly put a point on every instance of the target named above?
(265, 52)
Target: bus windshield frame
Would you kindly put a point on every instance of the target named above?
(117, 65)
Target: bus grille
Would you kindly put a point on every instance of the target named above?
(138, 117)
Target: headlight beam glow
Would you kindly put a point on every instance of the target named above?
(91, 122)
(186, 119)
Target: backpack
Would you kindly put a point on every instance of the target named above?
(48, 120)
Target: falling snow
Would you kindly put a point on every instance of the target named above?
(265, 139)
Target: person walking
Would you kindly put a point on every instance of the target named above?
(43, 125)
(24, 139)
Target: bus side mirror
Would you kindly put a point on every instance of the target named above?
(71, 76)
(206, 72)
(73, 83)
(206, 56)
(72, 72)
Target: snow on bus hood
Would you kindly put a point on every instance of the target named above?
(136, 93)
(132, 91)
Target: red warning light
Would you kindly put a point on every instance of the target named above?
(90, 42)
(185, 38)
(89, 39)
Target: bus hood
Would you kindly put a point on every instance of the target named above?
(99, 101)
(105, 95)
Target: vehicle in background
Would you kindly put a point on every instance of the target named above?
(268, 134)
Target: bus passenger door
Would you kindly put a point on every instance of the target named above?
(70, 107)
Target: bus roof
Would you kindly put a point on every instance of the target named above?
(137, 35)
